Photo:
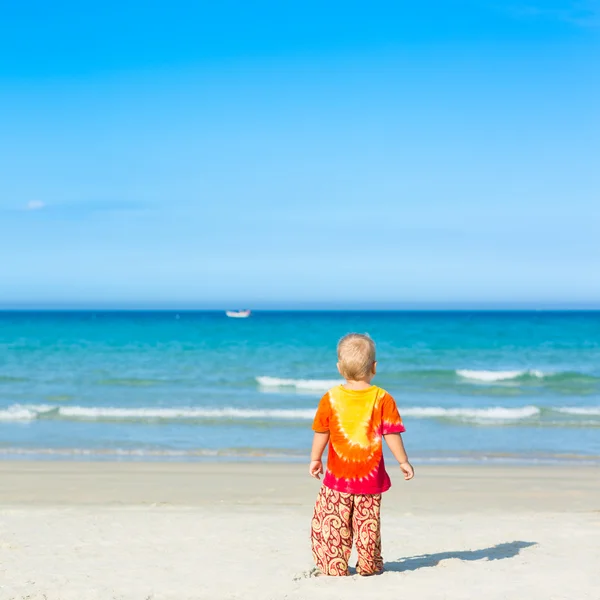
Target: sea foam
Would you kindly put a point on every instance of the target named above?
(580, 410)
(97, 413)
(490, 376)
(18, 412)
(493, 413)
(80, 412)
(474, 415)
(299, 384)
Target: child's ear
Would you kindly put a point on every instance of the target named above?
(338, 368)
(375, 368)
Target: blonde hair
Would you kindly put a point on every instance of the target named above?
(356, 356)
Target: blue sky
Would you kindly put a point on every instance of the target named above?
(268, 153)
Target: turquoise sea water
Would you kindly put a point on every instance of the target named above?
(471, 386)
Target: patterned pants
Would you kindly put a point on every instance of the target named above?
(338, 518)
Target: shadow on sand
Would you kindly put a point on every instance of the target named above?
(497, 552)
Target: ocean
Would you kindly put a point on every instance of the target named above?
(472, 387)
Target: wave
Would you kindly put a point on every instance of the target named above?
(184, 413)
(553, 380)
(580, 410)
(325, 384)
(95, 413)
(18, 412)
(299, 384)
(490, 376)
(496, 413)
(540, 416)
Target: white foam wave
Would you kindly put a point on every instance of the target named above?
(497, 375)
(30, 412)
(580, 410)
(487, 414)
(495, 413)
(299, 384)
(18, 412)
(81, 412)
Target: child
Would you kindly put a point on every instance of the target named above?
(352, 418)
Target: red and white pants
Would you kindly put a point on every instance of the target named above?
(340, 518)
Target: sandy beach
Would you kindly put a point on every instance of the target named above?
(75, 530)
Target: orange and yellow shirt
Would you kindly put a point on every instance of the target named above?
(356, 421)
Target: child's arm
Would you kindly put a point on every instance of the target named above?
(396, 445)
(320, 441)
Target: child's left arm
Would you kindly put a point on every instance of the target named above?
(396, 445)
(320, 440)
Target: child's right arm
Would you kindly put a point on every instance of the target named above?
(396, 445)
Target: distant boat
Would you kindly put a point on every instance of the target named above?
(238, 314)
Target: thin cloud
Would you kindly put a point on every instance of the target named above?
(35, 205)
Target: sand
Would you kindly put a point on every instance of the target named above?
(194, 531)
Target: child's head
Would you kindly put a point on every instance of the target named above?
(356, 357)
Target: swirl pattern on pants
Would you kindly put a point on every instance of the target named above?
(339, 518)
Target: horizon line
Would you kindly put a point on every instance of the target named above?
(267, 309)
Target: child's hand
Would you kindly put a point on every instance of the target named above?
(316, 469)
(408, 470)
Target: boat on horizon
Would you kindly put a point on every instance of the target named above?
(238, 314)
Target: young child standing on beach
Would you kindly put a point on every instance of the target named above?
(353, 418)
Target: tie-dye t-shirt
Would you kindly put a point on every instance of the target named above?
(356, 421)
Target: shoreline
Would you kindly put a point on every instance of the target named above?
(476, 488)
(274, 456)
